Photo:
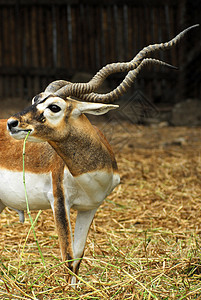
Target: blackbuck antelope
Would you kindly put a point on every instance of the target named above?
(73, 166)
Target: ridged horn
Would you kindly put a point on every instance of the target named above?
(124, 85)
(162, 46)
(76, 89)
(56, 85)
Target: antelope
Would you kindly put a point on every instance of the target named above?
(69, 163)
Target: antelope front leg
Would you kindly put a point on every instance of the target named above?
(63, 225)
(83, 222)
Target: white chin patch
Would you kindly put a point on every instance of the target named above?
(19, 135)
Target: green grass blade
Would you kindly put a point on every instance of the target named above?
(27, 202)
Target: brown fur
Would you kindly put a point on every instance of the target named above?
(40, 157)
(61, 217)
(85, 149)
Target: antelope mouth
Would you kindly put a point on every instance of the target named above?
(19, 133)
(13, 131)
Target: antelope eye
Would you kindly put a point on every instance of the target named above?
(54, 108)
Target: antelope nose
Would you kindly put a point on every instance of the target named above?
(11, 124)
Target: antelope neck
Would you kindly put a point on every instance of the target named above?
(83, 153)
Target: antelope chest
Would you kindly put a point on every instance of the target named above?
(88, 190)
(83, 192)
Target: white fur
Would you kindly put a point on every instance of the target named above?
(92, 108)
(84, 192)
(53, 118)
(39, 190)
(87, 191)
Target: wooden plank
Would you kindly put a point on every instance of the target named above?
(122, 47)
(148, 25)
(6, 87)
(130, 36)
(54, 37)
(74, 38)
(168, 36)
(20, 87)
(139, 36)
(105, 35)
(64, 38)
(69, 28)
(36, 86)
(173, 32)
(58, 36)
(29, 88)
(134, 46)
(18, 32)
(98, 51)
(5, 40)
(41, 33)
(12, 37)
(155, 28)
(111, 56)
(85, 36)
(91, 43)
(12, 87)
(1, 38)
(26, 42)
(49, 36)
(14, 49)
(125, 30)
(116, 32)
(78, 44)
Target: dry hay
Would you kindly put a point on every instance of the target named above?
(145, 240)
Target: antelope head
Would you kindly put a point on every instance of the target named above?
(51, 117)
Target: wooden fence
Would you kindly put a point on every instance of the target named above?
(41, 41)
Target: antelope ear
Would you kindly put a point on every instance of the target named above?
(93, 108)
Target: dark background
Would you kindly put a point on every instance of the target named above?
(41, 41)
